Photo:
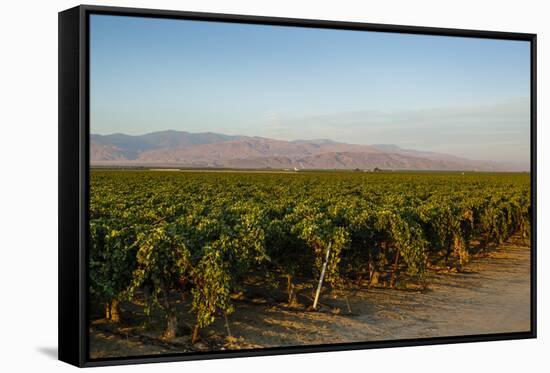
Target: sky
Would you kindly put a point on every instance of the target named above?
(463, 96)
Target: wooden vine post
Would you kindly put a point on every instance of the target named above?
(395, 268)
(320, 285)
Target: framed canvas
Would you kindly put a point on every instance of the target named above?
(235, 186)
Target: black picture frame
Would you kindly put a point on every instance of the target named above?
(74, 188)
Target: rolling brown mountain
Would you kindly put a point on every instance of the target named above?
(212, 150)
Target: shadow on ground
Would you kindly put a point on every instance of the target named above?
(50, 352)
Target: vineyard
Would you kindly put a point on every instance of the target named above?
(159, 238)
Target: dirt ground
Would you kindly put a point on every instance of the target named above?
(490, 295)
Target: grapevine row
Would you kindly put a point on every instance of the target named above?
(159, 237)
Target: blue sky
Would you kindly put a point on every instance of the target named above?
(463, 96)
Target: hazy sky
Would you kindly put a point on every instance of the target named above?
(463, 96)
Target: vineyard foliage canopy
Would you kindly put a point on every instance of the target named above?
(160, 237)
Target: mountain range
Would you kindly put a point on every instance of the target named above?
(214, 150)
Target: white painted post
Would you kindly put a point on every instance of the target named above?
(321, 277)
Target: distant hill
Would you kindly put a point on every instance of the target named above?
(208, 149)
(130, 147)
